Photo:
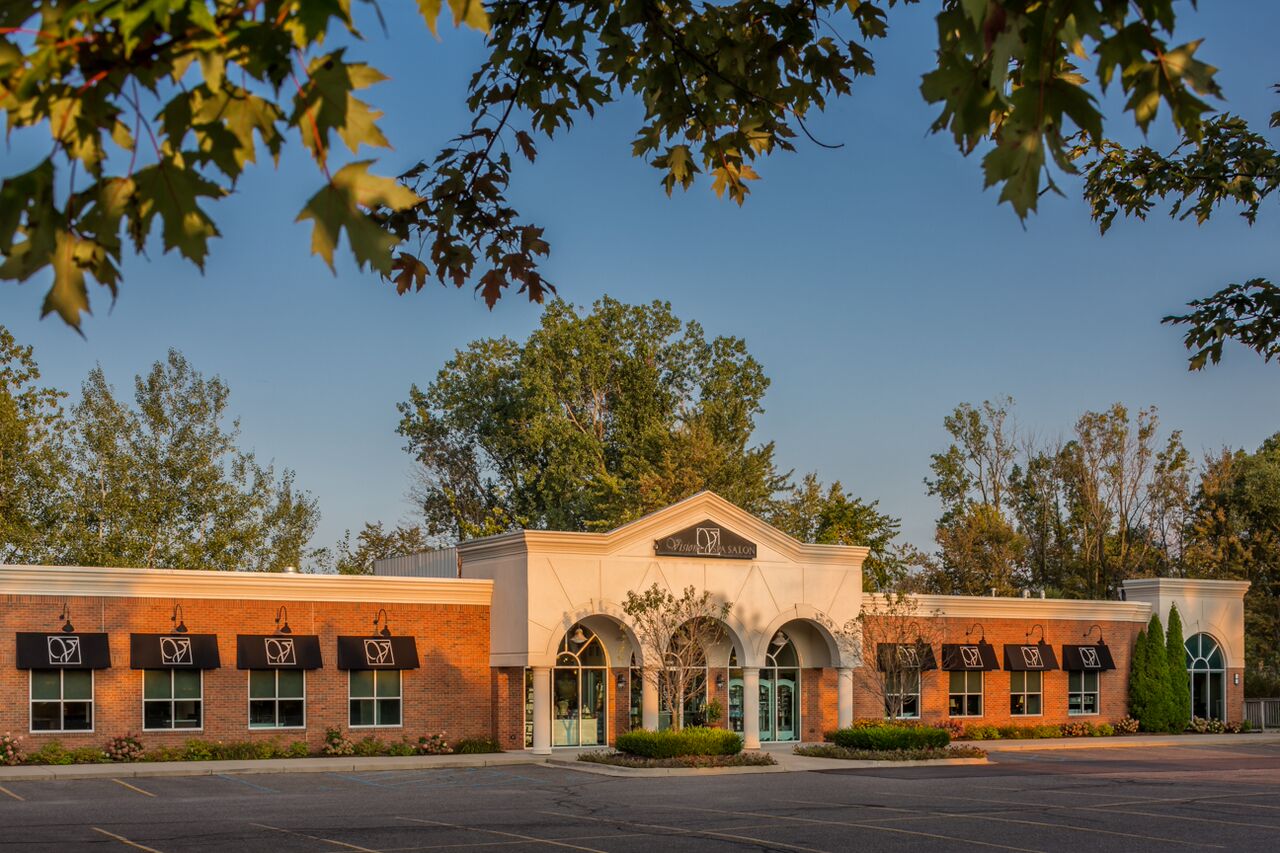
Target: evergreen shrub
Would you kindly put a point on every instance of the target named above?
(693, 740)
(1179, 682)
(888, 737)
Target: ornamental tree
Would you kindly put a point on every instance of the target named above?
(1179, 684)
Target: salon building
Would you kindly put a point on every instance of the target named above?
(522, 637)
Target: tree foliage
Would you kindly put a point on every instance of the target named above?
(1151, 701)
(374, 542)
(188, 93)
(159, 483)
(1179, 683)
(895, 623)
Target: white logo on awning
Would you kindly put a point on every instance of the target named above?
(379, 653)
(1089, 658)
(708, 540)
(1031, 657)
(908, 656)
(64, 651)
(971, 657)
(175, 651)
(280, 651)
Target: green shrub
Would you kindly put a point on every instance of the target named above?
(1104, 730)
(370, 746)
(197, 750)
(827, 750)
(694, 740)
(298, 749)
(981, 733)
(52, 752)
(1179, 687)
(476, 746)
(336, 743)
(88, 755)
(886, 737)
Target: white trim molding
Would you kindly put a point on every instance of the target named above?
(980, 607)
(94, 582)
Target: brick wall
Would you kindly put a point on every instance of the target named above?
(934, 689)
(452, 691)
(508, 706)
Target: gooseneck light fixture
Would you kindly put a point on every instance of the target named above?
(1027, 636)
(282, 620)
(180, 626)
(977, 626)
(1092, 628)
(65, 615)
(381, 615)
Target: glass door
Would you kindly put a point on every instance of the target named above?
(735, 705)
(591, 725)
(564, 707)
(766, 708)
(786, 710)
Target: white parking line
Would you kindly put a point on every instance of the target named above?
(526, 838)
(315, 838)
(135, 845)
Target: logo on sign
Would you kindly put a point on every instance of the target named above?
(64, 651)
(908, 656)
(280, 651)
(1089, 657)
(970, 657)
(708, 541)
(379, 653)
(175, 651)
(1031, 657)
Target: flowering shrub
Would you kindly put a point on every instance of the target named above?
(435, 744)
(1235, 727)
(336, 743)
(1127, 726)
(1201, 726)
(955, 728)
(10, 750)
(1078, 728)
(125, 747)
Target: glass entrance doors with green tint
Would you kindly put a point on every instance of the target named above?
(580, 691)
(779, 693)
(1206, 668)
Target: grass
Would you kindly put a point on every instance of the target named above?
(619, 759)
(829, 750)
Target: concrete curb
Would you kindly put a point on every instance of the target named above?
(786, 764)
(344, 764)
(1121, 742)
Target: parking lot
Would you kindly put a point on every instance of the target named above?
(1108, 799)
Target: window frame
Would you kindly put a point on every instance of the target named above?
(1025, 692)
(966, 693)
(61, 701)
(275, 701)
(890, 678)
(171, 700)
(399, 697)
(1096, 693)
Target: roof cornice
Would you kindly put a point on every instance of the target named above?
(1215, 588)
(195, 584)
(973, 606)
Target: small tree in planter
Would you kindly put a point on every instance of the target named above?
(895, 640)
(674, 633)
(1179, 683)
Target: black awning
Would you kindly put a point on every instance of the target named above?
(63, 651)
(898, 657)
(1037, 658)
(278, 651)
(969, 657)
(377, 653)
(174, 651)
(1087, 658)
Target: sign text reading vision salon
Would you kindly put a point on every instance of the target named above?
(706, 539)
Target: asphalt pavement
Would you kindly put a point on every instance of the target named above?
(1172, 798)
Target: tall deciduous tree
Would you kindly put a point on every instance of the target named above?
(595, 420)
(373, 543)
(33, 465)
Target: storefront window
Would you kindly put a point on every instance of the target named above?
(61, 700)
(579, 690)
(277, 699)
(1082, 693)
(1025, 693)
(902, 694)
(1206, 668)
(374, 697)
(172, 699)
(965, 697)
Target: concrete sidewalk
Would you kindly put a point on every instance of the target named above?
(1123, 742)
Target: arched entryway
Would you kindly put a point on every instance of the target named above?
(779, 691)
(1206, 668)
(580, 690)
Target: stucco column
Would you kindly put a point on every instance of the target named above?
(844, 697)
(542, 710)
(751, 707)
(649, 700)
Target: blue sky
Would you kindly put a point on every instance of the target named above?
(878, 284)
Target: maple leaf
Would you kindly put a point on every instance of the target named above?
(339, 206)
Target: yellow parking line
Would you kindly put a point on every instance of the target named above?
(132, 787)
(4, 790)
(135, 845)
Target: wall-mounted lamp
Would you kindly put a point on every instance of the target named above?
(622, 681)
(179, 625)
(1237, 679)
(977, 626)
(1091, 629)
(65, 615)
(719, 680)
(282, 620)
(579, 637)
(381, 615)
(1027, 636)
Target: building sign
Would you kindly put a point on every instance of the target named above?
(274, 651)
(174, 651)
(706, 539)
(1036, 658)
(63, 651)
(377, 653)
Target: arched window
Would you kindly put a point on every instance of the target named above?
(1206, 668)
(580, 690)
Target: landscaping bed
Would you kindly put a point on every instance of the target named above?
(830, 750)
(622, 759)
